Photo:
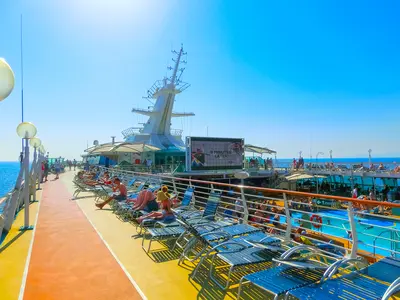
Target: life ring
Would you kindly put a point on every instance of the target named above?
(316, 219)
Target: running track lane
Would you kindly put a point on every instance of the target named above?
(69, 260)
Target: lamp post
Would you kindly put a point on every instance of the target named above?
(35, 143)
(6, 79)
(26, 131)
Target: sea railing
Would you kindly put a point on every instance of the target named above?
(338, 167)
(338, 225)
(14, 200)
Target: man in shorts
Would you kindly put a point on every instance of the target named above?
(120, 196)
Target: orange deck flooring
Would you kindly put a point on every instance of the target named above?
(69, 260)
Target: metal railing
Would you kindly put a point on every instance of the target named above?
(15, 199)
(131, 131)
(338, 225)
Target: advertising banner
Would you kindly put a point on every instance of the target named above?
(215, 153)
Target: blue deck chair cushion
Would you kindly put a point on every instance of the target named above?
(248, 256)
(343, 288)
(130, 183)
(187, 197)
(387, 269)
(283, 278)
(212, 204)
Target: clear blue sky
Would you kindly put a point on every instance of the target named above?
(290, 75)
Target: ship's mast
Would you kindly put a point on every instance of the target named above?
(157, 130)
(174, 79)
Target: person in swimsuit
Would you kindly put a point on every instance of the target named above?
(120, 196)
(163, 197)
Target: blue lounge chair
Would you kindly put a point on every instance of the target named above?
(169, 222)
(164, 233)
(222, 240)
(368, 283)
(243, 260)
(289, 273)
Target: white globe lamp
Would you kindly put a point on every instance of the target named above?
(35, 142)
(26, 130)
(6, 79)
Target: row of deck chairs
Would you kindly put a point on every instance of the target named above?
(281, 269)
(99, 191)
(288, 270)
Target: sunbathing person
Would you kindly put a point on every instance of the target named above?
(163, 197)
(143, 198)
(120, 196)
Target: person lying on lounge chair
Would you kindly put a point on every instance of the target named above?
(163, 197)
(120, 196)
(142, 200)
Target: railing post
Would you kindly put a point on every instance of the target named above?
(288, 218)
(354, 248)
(245, 208)
(193, 197)
(32, 185)
(174, 185)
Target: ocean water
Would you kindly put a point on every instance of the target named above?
(8, 176)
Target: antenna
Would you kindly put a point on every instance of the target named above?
(174, 78)
(22, 83)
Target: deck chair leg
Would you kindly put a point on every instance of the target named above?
(148, 250)
(240, 288)
(177, 242)
(198, 266)
(211, 269)
(228, 280)
(190, 244)
(143, 244)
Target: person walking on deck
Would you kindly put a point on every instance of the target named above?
(46, 170)
(57, 168)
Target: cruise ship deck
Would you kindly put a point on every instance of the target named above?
(77, 251)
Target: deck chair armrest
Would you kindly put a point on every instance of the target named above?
(223, 244)
(301, 264)
(145, 221)
(194, 212)
(332, 270)
(223, 234)
(298, 248)
(209, 227)
(392, 289)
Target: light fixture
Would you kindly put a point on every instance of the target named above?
(242, 175)
(6, 79)
(26, 130)
(42, 150)
(35, 142)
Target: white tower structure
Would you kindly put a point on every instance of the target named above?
(157, 130)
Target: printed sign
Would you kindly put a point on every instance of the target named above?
(215, 153)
